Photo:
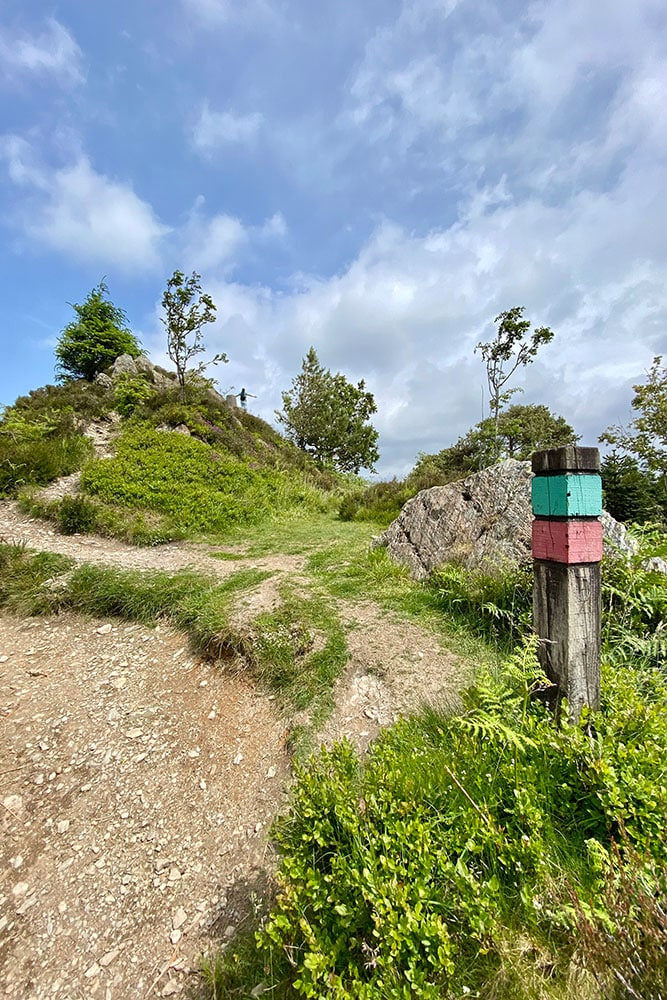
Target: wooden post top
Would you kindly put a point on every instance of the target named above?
(569, 458)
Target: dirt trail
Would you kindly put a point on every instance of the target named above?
(137, 785)
(137, 782)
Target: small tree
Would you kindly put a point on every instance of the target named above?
(93, 341)
(646, 437)
(326, 416)
(510, 348)
(187, 310)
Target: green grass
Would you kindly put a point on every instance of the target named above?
(299, 650)
(300, 534)
(40, 583)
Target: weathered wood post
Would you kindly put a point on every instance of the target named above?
(567, 549)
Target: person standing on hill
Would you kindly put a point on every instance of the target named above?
(243, 398)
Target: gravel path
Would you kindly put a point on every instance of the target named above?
(137, 782)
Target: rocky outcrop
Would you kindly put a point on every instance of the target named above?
(483, 521)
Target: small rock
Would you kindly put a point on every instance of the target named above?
(193, 754)
(134, 734)
(175, 936)
(62, 826)
(179, 917)
(109, 957)
(238, 758)
(202, 785)
(3, 658)
(17, 861)
(86, 787)
(174, 873)
(118, 683)
(20, 889)
(103, 630)
(92, 971)
(172, 987)
(271, 773)
(230, 931)
(13, 803)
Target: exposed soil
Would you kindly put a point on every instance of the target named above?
(137, 782)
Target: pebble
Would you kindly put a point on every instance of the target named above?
(20, 889)
(230, 931)
(63, 826)
(13, 803)
(175, 936)
(179, 917)
(17, 861)
(133, 734)
(271, 773)
(174, 874)
(238, 758)
(172, 987)
(94, 969)
(109, 957)
(103, 630)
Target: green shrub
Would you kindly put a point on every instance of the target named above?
(381, 502)
(197, 487)
(129, 392)
(405, 876)
(76, 515)
(134, 527)
(34, 461)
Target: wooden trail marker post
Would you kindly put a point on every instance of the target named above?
(567, 549)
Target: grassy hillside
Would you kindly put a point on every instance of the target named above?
(223, 467)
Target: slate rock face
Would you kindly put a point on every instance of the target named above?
(483, 522)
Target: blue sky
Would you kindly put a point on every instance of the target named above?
(377, 179)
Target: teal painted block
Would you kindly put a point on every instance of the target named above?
(569, 495)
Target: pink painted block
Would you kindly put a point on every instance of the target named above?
(567, 541)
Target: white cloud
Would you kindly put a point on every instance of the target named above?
(220, 128)
(81, 213)
(52, 52)
(215, 244)
(406, 314)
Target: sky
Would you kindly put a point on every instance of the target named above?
(376, 178)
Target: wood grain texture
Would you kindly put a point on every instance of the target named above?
(567, 542)
(567, 495)
(567, 459)
(566, 610)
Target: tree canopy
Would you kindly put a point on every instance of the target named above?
(95, 338)
(521, 430)
(186, 310)
(327, 416)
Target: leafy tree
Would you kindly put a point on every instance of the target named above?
(326, 416)
(646, 437)
(632, 493)
(510, 348)
(520, 431)
(93, 341)
(187, 309)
